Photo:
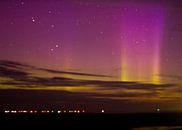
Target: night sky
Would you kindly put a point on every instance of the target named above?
(101, 52)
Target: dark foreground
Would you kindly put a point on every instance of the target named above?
(121, 121)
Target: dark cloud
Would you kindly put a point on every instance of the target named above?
(112, 90)
(23, 78)
(72, 73)
(38, 99)
(176, 77)
(106, 94)
(13, 64)
(12, 73)
(16, 65)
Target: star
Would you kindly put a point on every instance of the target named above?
(101, 32)
(33, 20)
(52, 49)
(136, 42)
(125, 8)
(52, 25)
(98, 5)
(57, 46)
(144, 40)
(22, 3)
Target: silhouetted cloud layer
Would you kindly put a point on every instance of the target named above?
(20, 76)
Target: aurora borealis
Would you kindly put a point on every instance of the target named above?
(142, 27)
(91, 53)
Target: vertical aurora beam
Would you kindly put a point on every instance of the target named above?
(142, 27)
(156, 58)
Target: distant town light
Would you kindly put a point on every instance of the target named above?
(102, 111)
(47, 111)
(7, 111)
(70, 111)
(13, 111)
(24, 111)
(158, 109)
